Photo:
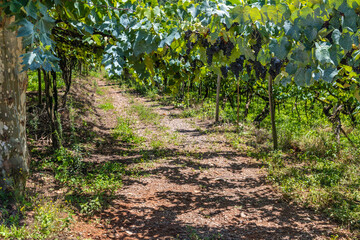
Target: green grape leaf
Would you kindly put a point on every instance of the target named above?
(322, 53)
(336, 54)
(292, 30)
(26, 29)
(350, 17)
(96, 38)
(45, 24)
(357, 94)
(311, 33)
(245, 49)
(345, 41)
(280, 48)
(301, 55)
(264, 56)
(302, 77)
(194, 11)
(329, 74)
(336, 35)
(31, 10)
(170, 38)
(28, 59)
(291, 68)
(15, 6)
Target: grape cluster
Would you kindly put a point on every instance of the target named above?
(275, 67)
(196, 64)
(220, 44)
(228, 28)
(238, 66)
(224, 71)
(157, 63)
(209, 53)
(257, 46)
(189, 46)
(227, 48)
(188, 34)
(248, 69)
(356, 69)
(260, 70)
(204, 42)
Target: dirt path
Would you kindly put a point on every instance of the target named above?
(196, 186)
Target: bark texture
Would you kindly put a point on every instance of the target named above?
(272, 113)
(14, 157)
(217, 98)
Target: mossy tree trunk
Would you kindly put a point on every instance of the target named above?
(14, 157)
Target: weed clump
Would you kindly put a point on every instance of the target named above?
(124, 132)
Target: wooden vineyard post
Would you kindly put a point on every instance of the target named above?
(217, 98)
(272, 113)
(238, 101)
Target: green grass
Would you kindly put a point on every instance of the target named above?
(124, 132)
(190, 112)
(91, 185)
(157, 144)
(100, 92)
(33, 81)
(71, 170)
(321, 183)
(107, 105)
(97, 73)
(145, 113)
(47, 219)
(152, 94)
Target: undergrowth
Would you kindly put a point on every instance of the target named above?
(91, 184)
(145, 113)
(319, 182)
(32, 218)
(124, 132)
(107, 105)
(85, 188)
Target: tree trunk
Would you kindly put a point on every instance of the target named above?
(66, 66)
(199, 95)
(296, 108)
(217, 98)
(206, 91)
(80, 67)
(306, 113)
(39, 88)
(188, 93)
(55, 92)
(247, 106)
(238, 101)
(14, 156)
(50, 109)
(272, 113)
(165, 84)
